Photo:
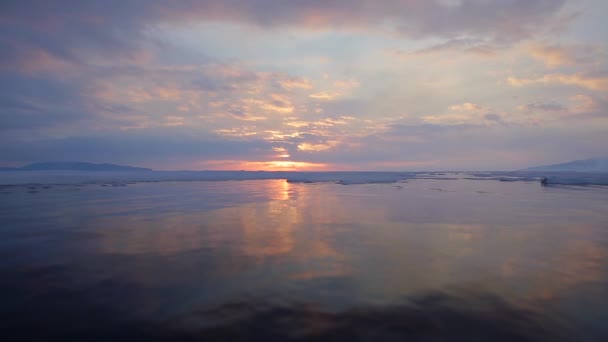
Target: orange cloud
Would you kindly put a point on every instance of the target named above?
(552, 55)
(237, 132)
(277, 103)
(279, 135)
(323, 96)
(297, 124)
(585, 104)
(168, 93)
(347, 84)
(467, 106)
(588, 81)
(466, 113)
(296, 83)
(172, 121)
(558, 55)
(308, 147)
(283, 153)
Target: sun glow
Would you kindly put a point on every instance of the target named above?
(273, 165)
(283, 165)
(283, 153)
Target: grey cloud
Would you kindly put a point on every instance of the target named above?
(71, 30)
(395, 143)
(208, 84)
(492, 117)
(213, 81)
(82, 33)
(133, 147)
(550, 107)
(501, 20)
(76, 30)
(33, 102)
(482, 47)
(46, 101)
(461, 147)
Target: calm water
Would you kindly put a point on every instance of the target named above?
(266, 260)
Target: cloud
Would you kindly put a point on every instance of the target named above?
(347, 84)
(279, 103)
(295, 83)
(589, 106)
(282, 152)
(593, 81)
(464, 114)
(30, 102)
(92, 31)
(323, 96)
(478, 47)
(492, 117)
(589, 109)
(130, 96)
(552, 56)
(242, 114)
(173, 120)
(35, 32)
(405, 146)
(308, 147)
(558, 55)
(547, 107)
(173, 144)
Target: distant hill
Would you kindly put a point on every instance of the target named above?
(585, 165)
(78, 166)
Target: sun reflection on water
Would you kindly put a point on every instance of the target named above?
(370, 242)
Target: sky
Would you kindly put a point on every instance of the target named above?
(304, 85)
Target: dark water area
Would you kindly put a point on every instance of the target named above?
(423, 260)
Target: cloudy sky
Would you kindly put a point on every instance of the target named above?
(304, 85)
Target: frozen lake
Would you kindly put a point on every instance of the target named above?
(425, 259)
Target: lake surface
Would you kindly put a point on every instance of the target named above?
(470, 260)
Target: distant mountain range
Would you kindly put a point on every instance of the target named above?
(586, 165)
(74, 166)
